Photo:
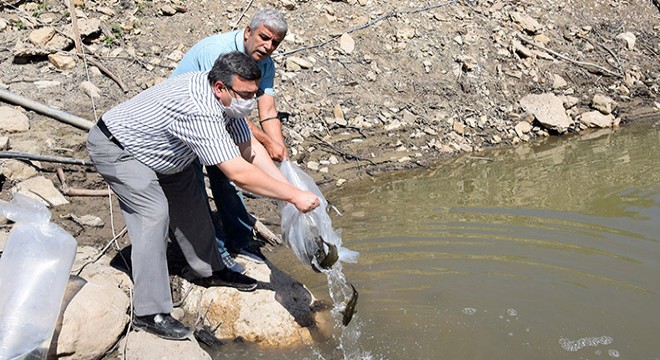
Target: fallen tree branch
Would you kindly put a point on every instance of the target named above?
(55, 159)
(587, 65)
(46, 110)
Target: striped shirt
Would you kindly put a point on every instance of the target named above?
(170, 124)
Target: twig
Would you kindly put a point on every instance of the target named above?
(66, 190)
(102, 252)
(243, 14)
(55, 159)
(106, 71)
(589, 66)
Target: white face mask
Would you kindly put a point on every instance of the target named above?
(240, 108)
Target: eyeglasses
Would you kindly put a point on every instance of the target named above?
(247, 95)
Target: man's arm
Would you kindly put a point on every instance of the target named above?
(251, 178)
(270, 134)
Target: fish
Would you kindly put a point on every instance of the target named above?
(349, 309)
(324, 259)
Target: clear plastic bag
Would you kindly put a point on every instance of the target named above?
(310, 235)
(34, 271)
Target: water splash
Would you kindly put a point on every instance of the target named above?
(341, 293)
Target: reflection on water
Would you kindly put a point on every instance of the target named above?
(543, 251)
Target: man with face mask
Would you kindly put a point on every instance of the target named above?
(259, 40)
(144, 149)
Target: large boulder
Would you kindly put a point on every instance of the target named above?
(277, 314)
(96, 316)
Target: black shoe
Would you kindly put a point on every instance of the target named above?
(226, 277)
(162, 325)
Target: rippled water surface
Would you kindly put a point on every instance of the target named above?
(543, 251)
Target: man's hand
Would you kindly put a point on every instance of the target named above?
(306, 201)
(276, 151)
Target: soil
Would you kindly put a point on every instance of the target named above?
(425, 80)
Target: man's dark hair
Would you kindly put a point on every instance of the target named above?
(234, 63)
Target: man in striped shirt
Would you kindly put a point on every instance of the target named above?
(259, 40)
(144, 149)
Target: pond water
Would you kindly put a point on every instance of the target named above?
(543, 251)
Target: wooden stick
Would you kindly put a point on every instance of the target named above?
(589, 66)
(66, 190)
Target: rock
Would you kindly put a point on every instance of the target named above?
(347, 43)
(459, 128)
(96, 317)
(17, 170)
(45, 84)
(629, 38)
(3, 24)
(548, 109)
(529, 24)
(339, 115)
(254, 316)
(569, 101)
(59, 42)
(313, 165)
(41, 189)
(13, 120)
(520, 49)
(41, 36)
(87, 28)
(558, 82)
(62, 62)
(86, 220)
(521, 128)
(468, 63)
(175, 55)
(294, 63)
(597, 119)
(4, 143)
(142, 345)
(603, 103)
(340, 182)
(90, 89)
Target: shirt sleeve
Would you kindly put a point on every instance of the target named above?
(267, 82)
(239, 130)
(207, 137)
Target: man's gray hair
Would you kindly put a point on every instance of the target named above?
(271, 18)
(233, 63)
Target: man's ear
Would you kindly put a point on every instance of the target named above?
(247, 33)
(218, 86)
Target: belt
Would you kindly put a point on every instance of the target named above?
(104, 129)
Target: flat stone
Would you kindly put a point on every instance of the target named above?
(13, 120)
(62, 62)
(41, 36)
(528, 23)
(347, 43)
(17, 170)
(522, 128)
(41, 189)
(603, 103)
(90, 89)
(597, 119)
(629, 38)
(548, 109)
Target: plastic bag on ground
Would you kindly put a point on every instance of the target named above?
(310, 235)
(34, 271)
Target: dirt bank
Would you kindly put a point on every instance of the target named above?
(372, 85)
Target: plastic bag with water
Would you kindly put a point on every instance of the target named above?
(34, 271)
(310, 235)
